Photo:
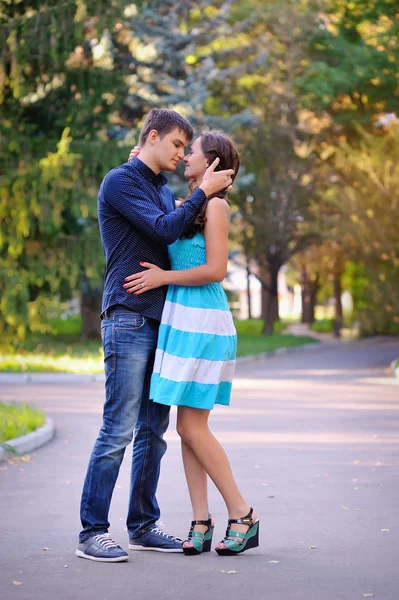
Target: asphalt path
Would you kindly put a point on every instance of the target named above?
(313, 440)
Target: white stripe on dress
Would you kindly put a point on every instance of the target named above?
(199, 370)
(198, 320)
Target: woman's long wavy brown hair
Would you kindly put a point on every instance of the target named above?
(214, 144)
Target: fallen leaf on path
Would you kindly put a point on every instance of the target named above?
(17, 583)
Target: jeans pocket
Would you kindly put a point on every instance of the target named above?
(108, 340)
(129, 322)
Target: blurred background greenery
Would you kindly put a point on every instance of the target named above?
(308, 88)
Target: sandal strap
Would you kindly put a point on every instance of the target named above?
(247, 520)
(194, 523)
(207, 523)
(237, 534)
(196, 534)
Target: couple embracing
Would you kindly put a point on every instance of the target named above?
(168, 338)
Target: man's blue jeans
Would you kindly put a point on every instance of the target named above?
(129, 342)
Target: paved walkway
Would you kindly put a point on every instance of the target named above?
(328, 337)
(313, 440)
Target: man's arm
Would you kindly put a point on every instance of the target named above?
(126, 195)
(216, 244)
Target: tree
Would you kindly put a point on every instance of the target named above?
(59, 82)
(256, 69)
(351, 71)
(365, 202)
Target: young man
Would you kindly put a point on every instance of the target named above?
(137, 219)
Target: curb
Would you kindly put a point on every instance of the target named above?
(48, 377)
(17, 378)
(394, 368)
(289, 350)
(30, 441)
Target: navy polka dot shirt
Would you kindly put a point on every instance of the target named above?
(138, 219)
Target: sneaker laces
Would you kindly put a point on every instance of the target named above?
(168, 536)
(105, 541)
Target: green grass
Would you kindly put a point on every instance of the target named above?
(53, 354)
(248, 345)
(17, 420)
(64, 352)
(323, 326)
(251, 341)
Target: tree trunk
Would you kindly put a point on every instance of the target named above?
(249, 293)
(90, 309)
(309, 291)
(270, 301)
(338, 305)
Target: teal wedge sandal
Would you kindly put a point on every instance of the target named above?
(201, 542)
(236, 541)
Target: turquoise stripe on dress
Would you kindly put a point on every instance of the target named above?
(196, 345)
(201, 296)
(189, 393)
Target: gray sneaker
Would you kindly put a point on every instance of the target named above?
(102, 548)
(156, 539)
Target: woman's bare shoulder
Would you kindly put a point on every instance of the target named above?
(216, 204)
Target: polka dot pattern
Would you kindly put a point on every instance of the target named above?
(138, 220)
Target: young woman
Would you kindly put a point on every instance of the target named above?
(195, 357)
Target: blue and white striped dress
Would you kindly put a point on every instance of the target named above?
(197, 340)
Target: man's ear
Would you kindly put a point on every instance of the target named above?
(152, 136)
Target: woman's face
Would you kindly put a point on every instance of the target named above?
(196, 163)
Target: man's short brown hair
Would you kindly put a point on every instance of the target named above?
(164, 120)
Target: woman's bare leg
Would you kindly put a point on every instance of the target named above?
(192, 426)
(197, 481)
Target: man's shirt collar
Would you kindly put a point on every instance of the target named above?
(145, 171)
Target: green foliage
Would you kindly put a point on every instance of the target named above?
(366, 200)
(323, 326)
(60, 81)
(17, 420)
(292, 80)
(352, 71)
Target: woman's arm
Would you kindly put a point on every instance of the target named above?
(216, 243)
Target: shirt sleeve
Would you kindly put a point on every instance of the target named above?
(128, 197)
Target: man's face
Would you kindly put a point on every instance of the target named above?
(170, 149)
